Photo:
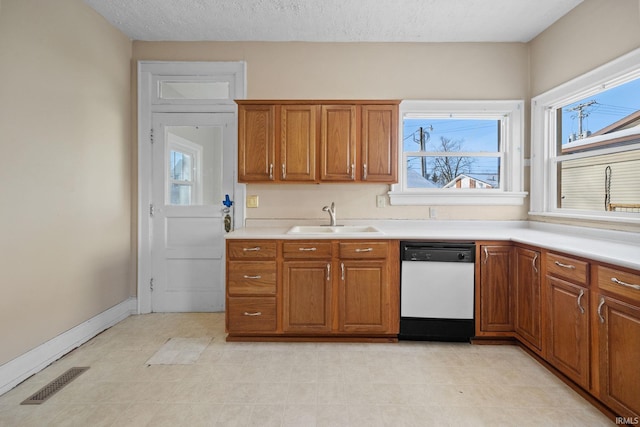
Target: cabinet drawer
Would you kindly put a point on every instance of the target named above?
(251, 249)
(251, 278)
(247, 314)
(567, 268)
(306, 250)
(619, 282)
(360, 250)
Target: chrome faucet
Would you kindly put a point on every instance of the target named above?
(332, 213)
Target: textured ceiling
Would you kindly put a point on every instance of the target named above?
(333, 20)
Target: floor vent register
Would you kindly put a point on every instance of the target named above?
(54, 386)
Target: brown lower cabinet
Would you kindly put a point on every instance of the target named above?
(617, 323)
(527, 299)
(578, 315)
(494, 263)
(568, 329)
(321, 289)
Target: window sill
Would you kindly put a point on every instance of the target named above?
(596, 217)
(457, 198)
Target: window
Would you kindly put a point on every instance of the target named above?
(184, 183)
(460, 153)
(586, 145)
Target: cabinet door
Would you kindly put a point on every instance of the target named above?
(568, 329)
(495, 293)
(528, 308)
(298, 142)
(619, 354)
(256, 146)
(306, 296)
(338, 143)
(379, 142)
(364, 296)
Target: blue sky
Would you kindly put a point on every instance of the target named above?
(478, 135)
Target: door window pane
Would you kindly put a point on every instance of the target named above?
(194, 165)
(181, 194)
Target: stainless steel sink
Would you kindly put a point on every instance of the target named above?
(339, 229)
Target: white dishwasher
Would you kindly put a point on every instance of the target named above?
(437, 291)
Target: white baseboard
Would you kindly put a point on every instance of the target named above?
(22, 367)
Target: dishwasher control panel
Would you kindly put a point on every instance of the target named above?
(438, 252)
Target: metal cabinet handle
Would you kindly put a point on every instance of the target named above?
(580, 301)
(284, 171)
(364, 171)
(257, 313)
(600, 310)
(569, 266)
(364, 250)
(257, 248)
(252, 277)
(342, 271)
(307, 249)
(535, 258)
(353, 171)
(271, 171)
(486, 255)
(328, 272)
(628, 285)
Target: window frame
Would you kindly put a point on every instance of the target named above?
(511, 116)
(544, 126)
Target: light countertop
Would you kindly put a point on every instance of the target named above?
(613, 247)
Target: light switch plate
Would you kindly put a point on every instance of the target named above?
(252, 201)
(381, 201)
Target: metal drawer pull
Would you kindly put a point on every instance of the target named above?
(535, 258)
(486, 255)
(353, 171)
(580, 301)
(284, 171)
(600, 310)
(257, 248)
(307, 249)
(342, 270)
(252, 277)
(364, 171)
(364, 250)
(559, 264)
(328, 272)
(257, 313)
(271, 171)
(628, 285)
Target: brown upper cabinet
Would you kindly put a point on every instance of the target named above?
(317, 141)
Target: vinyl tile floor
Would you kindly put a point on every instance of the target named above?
(294, 384)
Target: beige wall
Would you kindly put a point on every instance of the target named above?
(65, 249)
(589, 36)
(362, 70)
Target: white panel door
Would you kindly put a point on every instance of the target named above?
(192, 170)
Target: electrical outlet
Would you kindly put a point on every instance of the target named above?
(381, 201)
(252, 201)
(433, 213)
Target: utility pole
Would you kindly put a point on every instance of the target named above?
(424, 137)
(581, 115)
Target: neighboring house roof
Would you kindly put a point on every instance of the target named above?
(599, 140)
(627, 122)
(416, 180)
(487, 180)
